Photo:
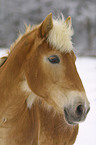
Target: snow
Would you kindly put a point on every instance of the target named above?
(86, 67)
(3, 52)
(87, 130)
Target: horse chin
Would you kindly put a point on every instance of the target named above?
(68, 120)
(71, 123)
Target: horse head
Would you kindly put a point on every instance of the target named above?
(51, 72)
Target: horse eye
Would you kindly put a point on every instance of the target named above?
(54, 59)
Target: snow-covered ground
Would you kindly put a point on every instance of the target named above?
(87, 70)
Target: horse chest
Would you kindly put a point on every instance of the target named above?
(16, 130)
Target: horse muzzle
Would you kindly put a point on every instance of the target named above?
(76, 113)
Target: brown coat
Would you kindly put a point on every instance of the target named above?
(26, 72)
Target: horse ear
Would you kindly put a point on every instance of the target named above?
(68, 21)
(46, 25)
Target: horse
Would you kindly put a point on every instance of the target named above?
(42, 98)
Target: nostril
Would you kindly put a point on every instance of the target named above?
(79, 110)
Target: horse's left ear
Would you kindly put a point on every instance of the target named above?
(68, 21)
(46, 25)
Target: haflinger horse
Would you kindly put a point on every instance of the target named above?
(42, 98)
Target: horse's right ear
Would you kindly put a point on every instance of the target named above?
(46, 26)
(68, 21)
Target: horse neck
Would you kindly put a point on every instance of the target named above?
(11, 74)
